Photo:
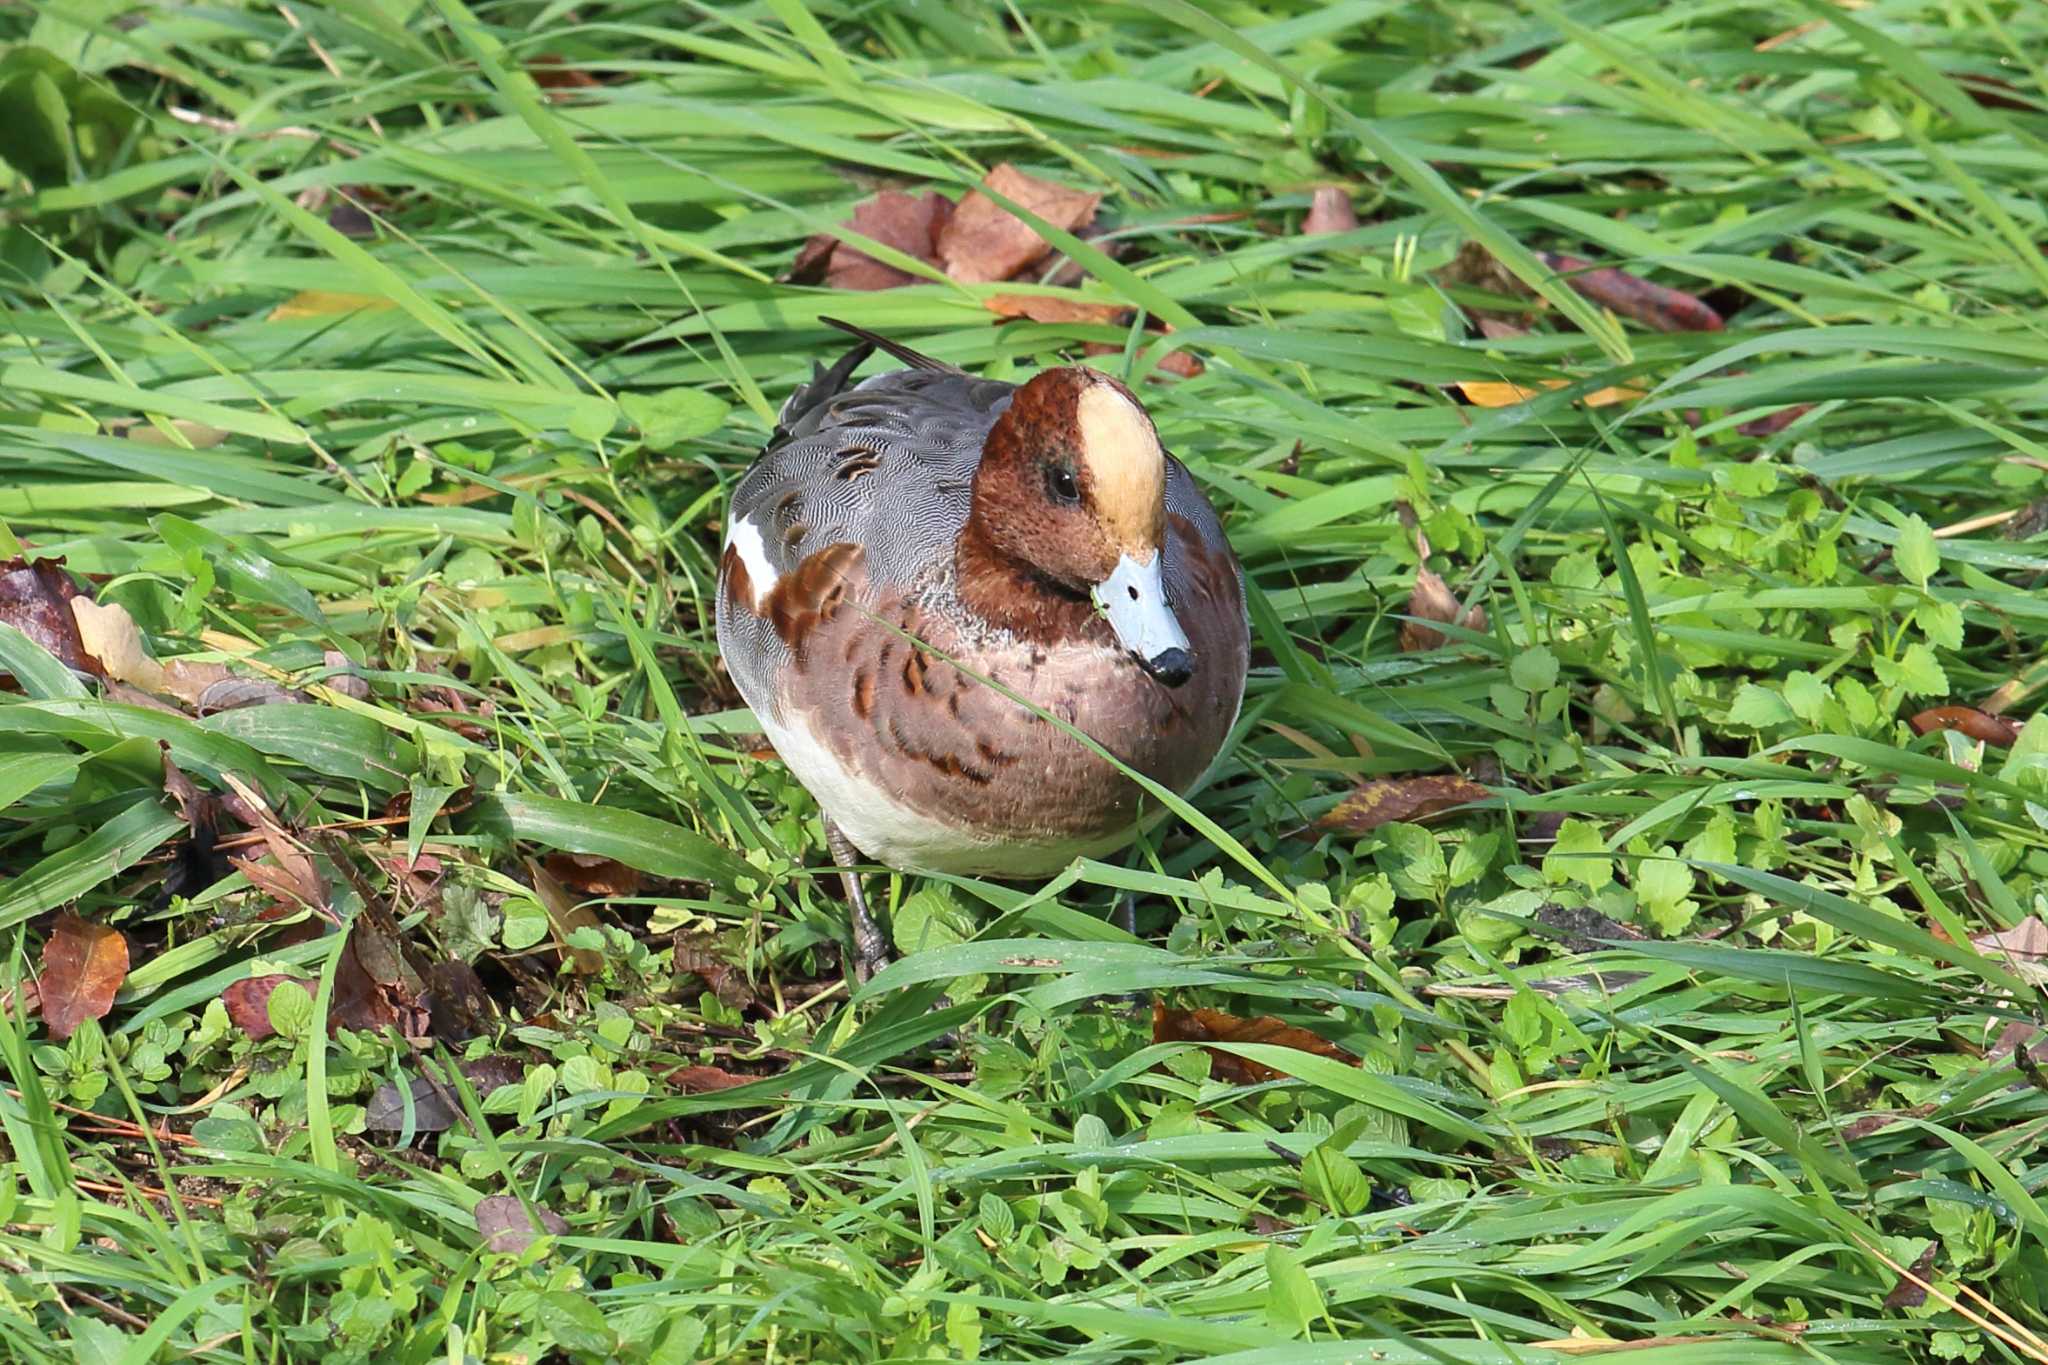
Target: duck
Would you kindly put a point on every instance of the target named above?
(923, 565)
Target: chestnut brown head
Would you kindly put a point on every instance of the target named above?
(1072, 487)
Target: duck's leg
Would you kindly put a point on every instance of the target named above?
(870, 949)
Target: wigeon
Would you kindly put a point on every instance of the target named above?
(914, 552)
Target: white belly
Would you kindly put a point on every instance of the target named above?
(893, 834)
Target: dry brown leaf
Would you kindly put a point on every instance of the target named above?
(1329, 211)
(698, 1080)
(110, 634)
(718, 975)
(84, 964)
(1043, 308)
(248, 1002)
(290, 875)
(374, 989)
(325, 303)
(1654, 305)
(1911, 1290)
(36, 598)
(909, 223)
(2026, 941)
(1216, 1026)
(1381, 802)
(983, 241)
(591, 875)
(2022, 948)
(565, 917)
(1433, 600)
(507, 1226)
(1875, 1123)
(1968, 720)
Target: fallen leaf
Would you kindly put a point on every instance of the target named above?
(1654, 305)
(1486, 393)
(1183, 363)
(1875, 1123)
(982, 241)
(593, 876)
(83, 965)
(199, 861)
(551, 72)
(718, 975)
(36, 598)
(1044, 308)
(110, 634)
(1968, 720)
(1760, 427)
(326, 303)
(1911, 1290)
(290, 875)
(2021, 948)
(1372, 804)
(909, 223)
(1329, 211)
(248, 1002)
(2026, 941)
(2017, 1035)
(374, 988)
(566, 916)
(431, 1108)
(1216, 1026)
(509, 1228)
(1433, 600)
(458, 1006)
(698, 1080)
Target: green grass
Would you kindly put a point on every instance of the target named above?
(1701, 651)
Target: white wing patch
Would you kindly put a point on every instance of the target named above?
(745, 540)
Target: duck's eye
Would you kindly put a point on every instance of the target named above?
(1059, 481)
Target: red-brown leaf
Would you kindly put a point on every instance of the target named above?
(1911, 1292)
(1386, 800)
(909, 223)
(35, 598)
(1329, 211)
(1968, 720)
(592, 875)
(83, 965)
(1215, 1026)
(698, 1080)
(1654, 305)
(983, 241)
(248, 1002)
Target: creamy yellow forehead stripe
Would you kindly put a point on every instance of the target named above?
(1126, 466)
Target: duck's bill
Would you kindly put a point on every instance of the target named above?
(1134, 599)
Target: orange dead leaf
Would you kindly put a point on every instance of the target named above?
(983, 241)
(1968, 720)
(593, 876)
(1486, 393)
(909, 223)
(1044, 308)
(84, 964)
(1215, 1026)
(1382, 802)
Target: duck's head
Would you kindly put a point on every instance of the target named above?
(1072, 491)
